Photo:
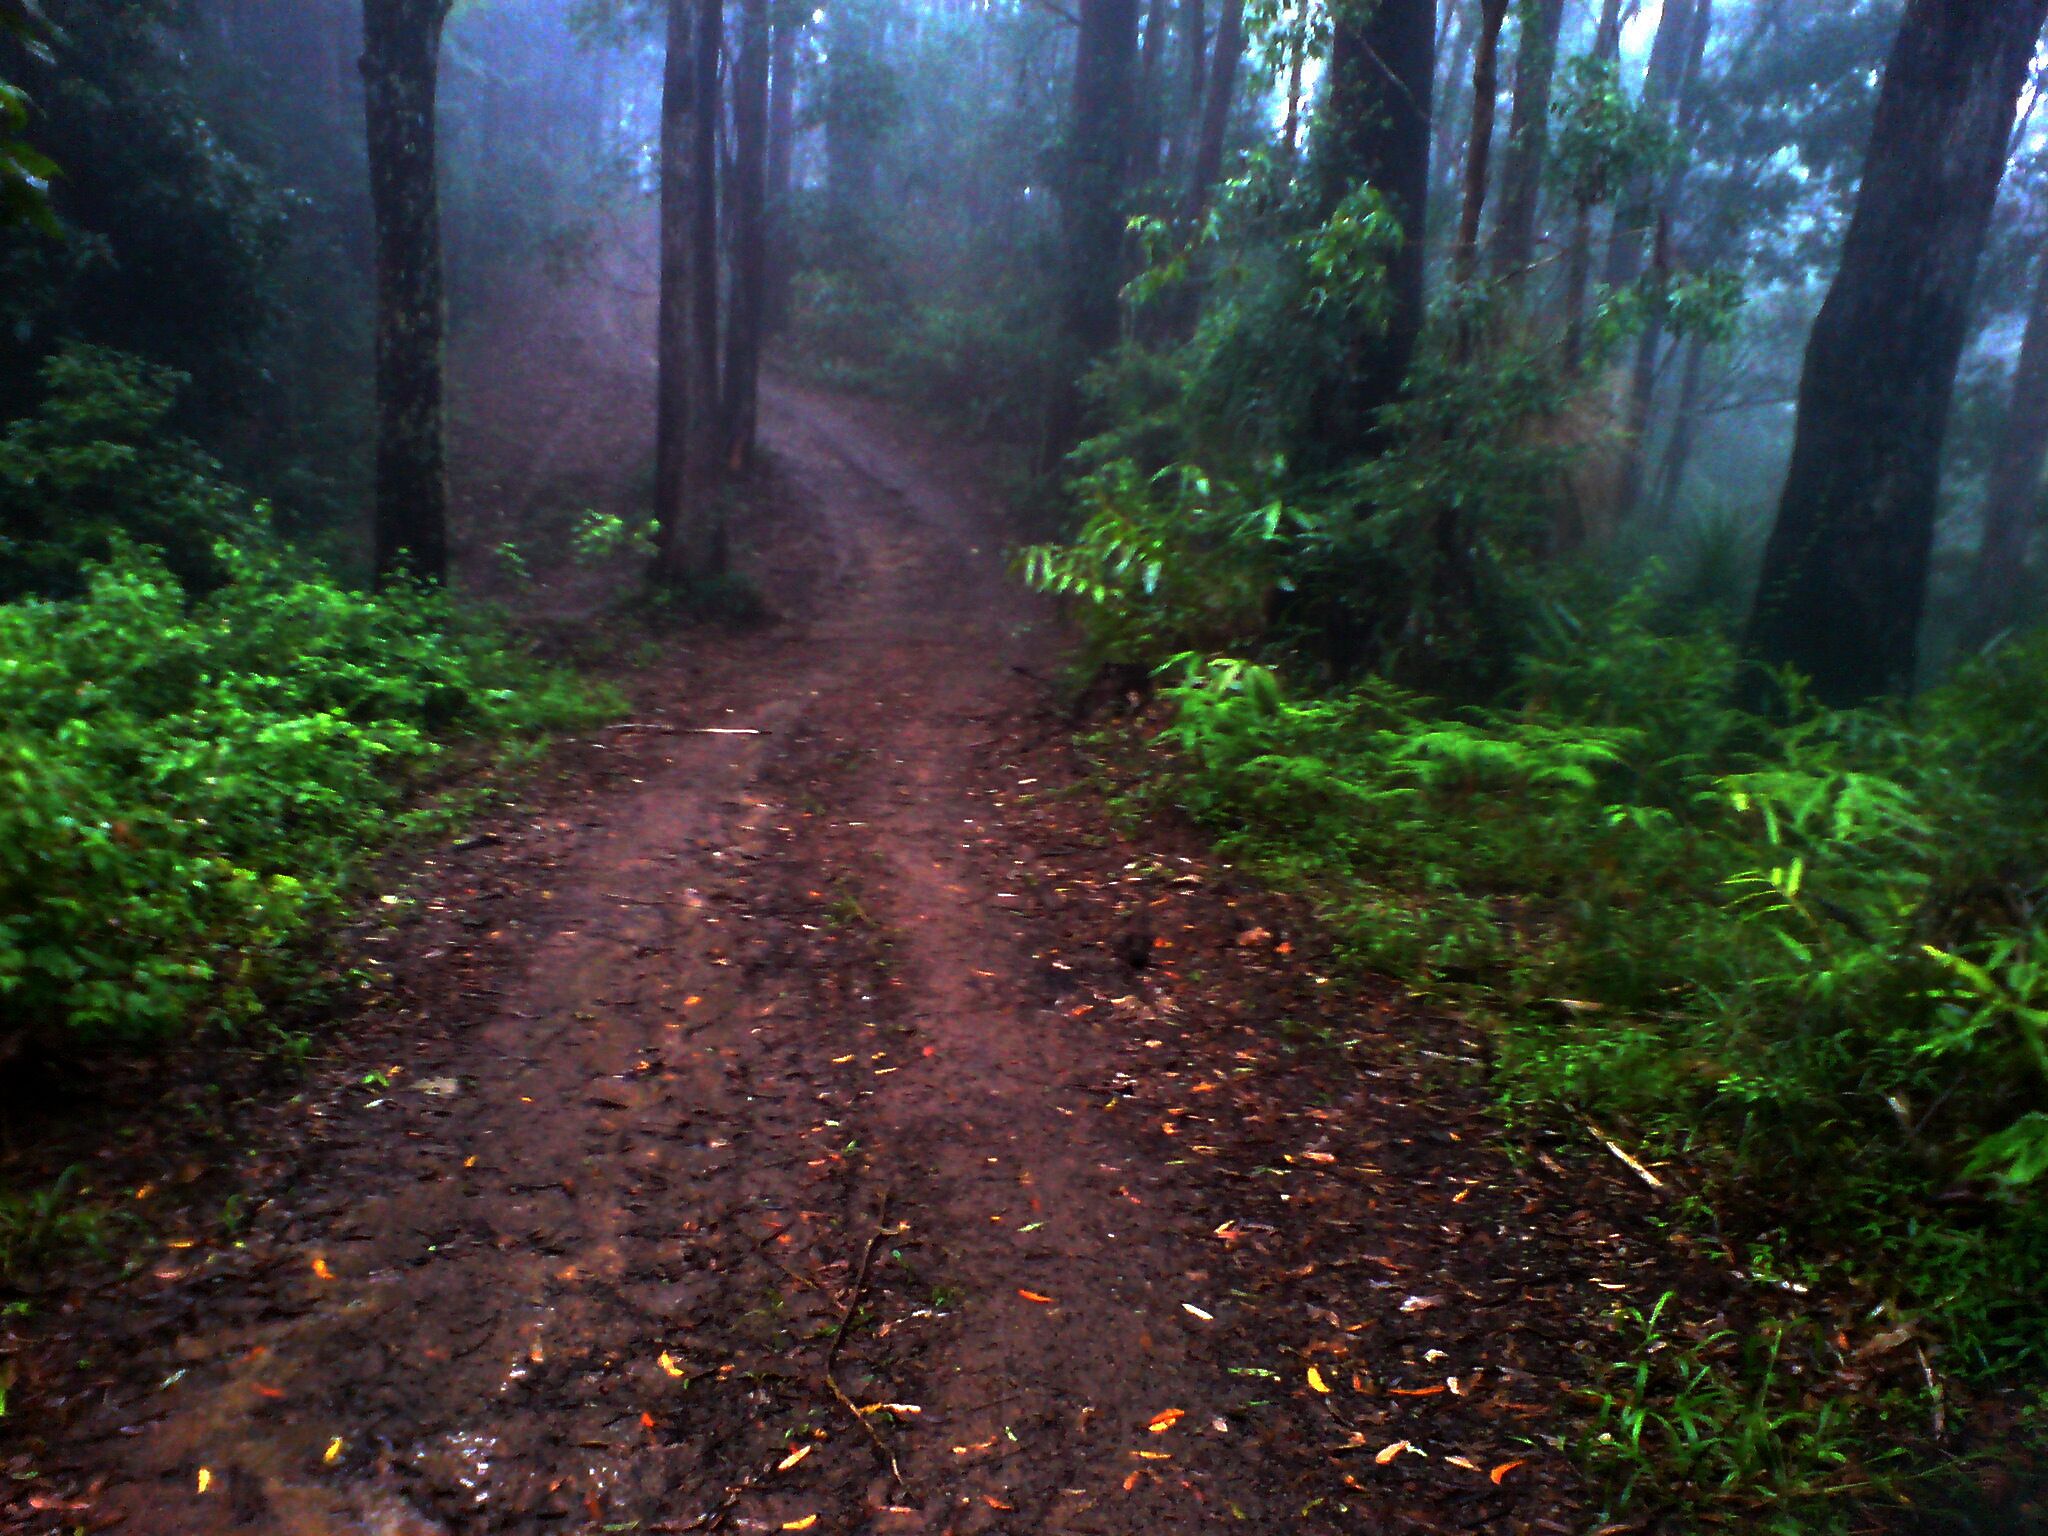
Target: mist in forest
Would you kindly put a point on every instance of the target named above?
(1548, 492)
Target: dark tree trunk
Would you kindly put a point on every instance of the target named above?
(1845, 572)
(401, 63)
(747, 194)
(1373, 129)
(1194, 38)
(706, 448)
(1493, 15)
(1148, 113)
(1216, 110)
(781, 268)
(1578, 257)
(1292, 130)
(2012, 494)
(1528, 146)
(1685, 431)
(1449, 110)
(1091, 204)
(692, 535)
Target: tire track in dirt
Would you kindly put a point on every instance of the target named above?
(563, 1236)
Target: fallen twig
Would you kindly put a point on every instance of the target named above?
(860, 1285)
(1620, 1152)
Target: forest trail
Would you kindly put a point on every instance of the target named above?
(828, 1082)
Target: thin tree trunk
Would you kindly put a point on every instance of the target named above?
(1635, 214)
(1148, 114)
(1373, 130)
(692, 542)
(747, 194)
(1216, 110)
(780, 269)
(1685, 431)
(1528, 147)
(1105, 67)
(1186, 122)
(706, 449)
(401, 64)
(1493, 14)
(2012, 493)
(1845, 573)
(1664, 209)
(1578, 271)
(1449, 109)
(1292, 131)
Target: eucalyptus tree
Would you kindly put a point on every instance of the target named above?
(1845, 573)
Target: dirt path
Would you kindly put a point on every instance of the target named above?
(827, 1086)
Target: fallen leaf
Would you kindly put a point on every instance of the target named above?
(1500, 1472)
(1392, 1451)
(668, 1364)
(800, 1525)
(321, 1270)
(1315, 1380)
(1043, 1301)
(1466, 1462)
(1194, 1311)
(1413, 1391)
(793, 1458)
(332, 1453)
(1162, 1422)
(1421, 1303)
(205, 1479)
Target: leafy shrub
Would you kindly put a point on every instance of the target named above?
(95, 465)
(188, 783)
(1810, 955)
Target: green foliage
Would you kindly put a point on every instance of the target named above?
(96, 466)
(602, 537)
(1793, 953)
(25, 172)
(187, 783)
(1603, 139)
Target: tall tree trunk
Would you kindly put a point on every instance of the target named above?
(781, 268)
(1449, 110)
(692, 538)
(707, 447)
(1187, 118)
(1493, 14)
(2012, 493)
(1845, 573)
(1373, 129)
(1635, 214)
(1216, 110)
(1528, 146)
(1578, 261)
(1297, 57)
(1148, 113)
(1091, 205)
(401, 65)
(1685, 431)
(747, 193)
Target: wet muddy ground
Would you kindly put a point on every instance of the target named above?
(811, 1111)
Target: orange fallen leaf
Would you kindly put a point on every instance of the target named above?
(1043, 1301)
(1316, 1382)
(1499, 1473)
(793, 1458)
(1162, 1422)
(1392, 1451)
(800, 1525)
(1414, 1391)
(1132, 1481)
(995, 1503)
(647, 1421)
(320, 1268)
(668, 1364)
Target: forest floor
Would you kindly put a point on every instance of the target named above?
(815, 1109)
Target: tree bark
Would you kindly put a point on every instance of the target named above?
(691, 546)
(1091, 208)
(707, 448)
(1685, 431)
(1216, 110)
(2012, 493)
(1493, 14)
(747, 194)
(1373, 129)
(401, 65)
(1845, 573)
(1528, 146)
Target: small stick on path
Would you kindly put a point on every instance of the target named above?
(860, 1284)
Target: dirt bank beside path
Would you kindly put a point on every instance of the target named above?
(824, 1120)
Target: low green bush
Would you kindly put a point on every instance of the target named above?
(188, 784)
